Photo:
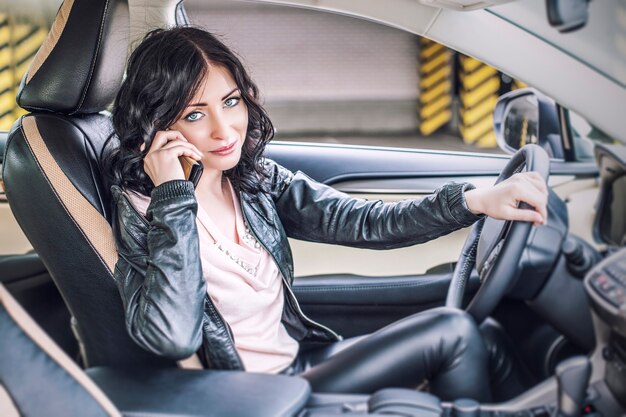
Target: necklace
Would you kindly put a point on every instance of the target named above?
(248, 238)
(246, 266)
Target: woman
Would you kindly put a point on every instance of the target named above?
(210, 270)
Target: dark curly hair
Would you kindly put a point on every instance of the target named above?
(163, 74)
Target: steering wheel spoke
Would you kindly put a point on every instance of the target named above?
(490, 262)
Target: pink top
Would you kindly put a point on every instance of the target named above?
(246, 287)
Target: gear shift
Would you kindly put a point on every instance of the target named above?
(572, 377)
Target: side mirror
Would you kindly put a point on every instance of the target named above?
(526, 116)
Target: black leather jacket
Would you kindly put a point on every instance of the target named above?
(159, 275)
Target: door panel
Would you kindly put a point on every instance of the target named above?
(384, 286)
(332, 164)
(353, 305)
(317, 258)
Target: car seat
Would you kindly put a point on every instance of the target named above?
(38, 379)
(52, 172)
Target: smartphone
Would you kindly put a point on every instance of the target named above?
(192, 169)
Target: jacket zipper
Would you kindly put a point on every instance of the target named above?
(132, 207)
(282, 274)
(225, 326)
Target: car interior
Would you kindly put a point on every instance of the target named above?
(65, 350)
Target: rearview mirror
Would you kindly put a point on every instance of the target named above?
(526, 116)
(567, 15)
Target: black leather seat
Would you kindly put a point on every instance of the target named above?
(52, 172)
(36, 377)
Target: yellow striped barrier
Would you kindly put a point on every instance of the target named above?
(7, 99)
(479, 85)
(435, 99)
(19, 42)
(28, 38)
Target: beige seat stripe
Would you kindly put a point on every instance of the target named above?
(41, 339)
(52, 39)
(7, 407)
(91, 223)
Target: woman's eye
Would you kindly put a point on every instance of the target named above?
(193, 116)
(232, 101)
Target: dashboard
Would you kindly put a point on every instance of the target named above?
(605, 284)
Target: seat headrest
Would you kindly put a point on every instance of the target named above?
(79, 67)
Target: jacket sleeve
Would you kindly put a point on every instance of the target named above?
(159, 273)
(316, 212)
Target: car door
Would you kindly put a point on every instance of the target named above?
(356, 291)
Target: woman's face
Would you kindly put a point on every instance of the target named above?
(216, 120)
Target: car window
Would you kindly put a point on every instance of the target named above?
(338, 79)
(585, 135)
(20, 38)
(325, 77)
(22, 31)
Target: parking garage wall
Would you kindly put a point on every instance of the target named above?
(320, 72)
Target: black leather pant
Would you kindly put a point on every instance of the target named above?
(442, 346)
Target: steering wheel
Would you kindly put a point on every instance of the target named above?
(496, 247)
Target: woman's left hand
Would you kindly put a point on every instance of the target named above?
(501, 201)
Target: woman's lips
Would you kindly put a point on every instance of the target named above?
(224, 150)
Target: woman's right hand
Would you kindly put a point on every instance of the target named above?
(161, 162)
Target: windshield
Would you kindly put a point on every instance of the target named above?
(600, 44)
